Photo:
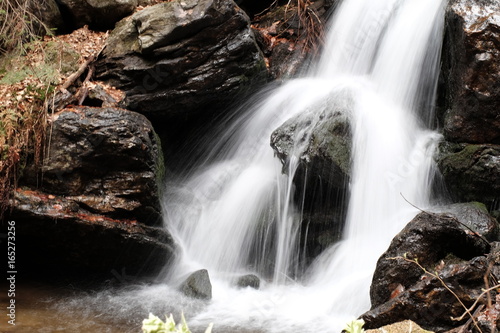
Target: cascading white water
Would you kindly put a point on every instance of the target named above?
(235, 213)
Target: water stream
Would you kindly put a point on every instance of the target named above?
(235, 214)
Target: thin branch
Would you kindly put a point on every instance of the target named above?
(449, 217)
(467, 310)
(73, 77)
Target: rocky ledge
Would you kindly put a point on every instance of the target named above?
(94, 208)
(57, 239)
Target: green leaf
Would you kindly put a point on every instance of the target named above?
(183, 327)
(170, 324)
(153, 324)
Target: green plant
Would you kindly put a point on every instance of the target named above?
(19, 23)
(153, 324)
(355, 326)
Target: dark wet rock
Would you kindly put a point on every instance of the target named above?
(321, 228)
(184, 59)
(97, 14)
(429, 303)
(443, 245)
(96, 95)
(249, 280)
(58, 239)
(48, 13)
(471, 72)
(198, 285)
(253, 7)
(474, 215)
(289, 39)
(319, 142)
(107, 161)
(471, 172)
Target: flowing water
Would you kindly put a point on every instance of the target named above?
(237, 214)
(234, 212)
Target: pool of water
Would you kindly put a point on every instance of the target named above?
(45, 309)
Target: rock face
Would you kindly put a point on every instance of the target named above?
(198, 285)
(320, 142)
(289, 36)
(59, 239)
(49, 13)
(98, 14)
(107, 161)
(442, 244)
(471, 70)
(182, 58)
(475, 216)
(470, 101)
(471, 172)
(94, 207)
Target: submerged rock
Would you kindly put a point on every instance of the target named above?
(442, 245)
(471, 72)
(183, 58)
(198, 285)
(249, 280)
(471, 172)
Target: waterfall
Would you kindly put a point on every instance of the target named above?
(235, 212)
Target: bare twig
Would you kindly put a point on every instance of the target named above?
(464, 327)
(73, 77)
(449, 217)
(436, 276)
(268, 8)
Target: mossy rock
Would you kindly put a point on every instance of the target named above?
(471, 172)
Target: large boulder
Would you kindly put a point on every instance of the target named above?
(105, 160)
(475, 216)
(471, 72)
(49, 14)
(94, 207)
(319, 141)
(405, 284)
(471, 172)
(59, 239)
(185, 59)
(97, 14)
